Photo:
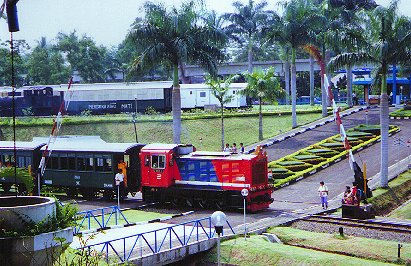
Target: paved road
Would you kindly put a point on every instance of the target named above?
(303, 194)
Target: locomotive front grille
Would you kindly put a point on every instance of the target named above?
(259, 173)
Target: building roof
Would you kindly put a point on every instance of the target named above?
(368, 81)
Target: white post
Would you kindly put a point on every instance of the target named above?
(118, 202)
(244, 192)
(366, 117)
(218, 250)
(245, 226)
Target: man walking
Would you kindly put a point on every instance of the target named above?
(323, 191)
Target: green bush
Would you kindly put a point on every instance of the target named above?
(372, 129)
(22, 176)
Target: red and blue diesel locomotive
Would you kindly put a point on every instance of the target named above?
(162, 172)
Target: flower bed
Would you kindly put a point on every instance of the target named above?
(313, 158)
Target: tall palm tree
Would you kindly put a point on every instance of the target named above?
(296, 28)
(220, 88)
(264, 86)
(246, 25)
(173, 38)
(347, 32)
(389, 42)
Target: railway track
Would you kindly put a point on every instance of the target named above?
(377, 229)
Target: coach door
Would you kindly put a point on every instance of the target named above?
(202, 98)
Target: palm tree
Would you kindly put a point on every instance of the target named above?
(296, 29)
(246, 25)
(264, 86)
(347, 32)
(389, 42)
(220, 88)
(173, 38)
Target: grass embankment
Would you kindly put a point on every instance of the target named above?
(386, 200)
(132, 216)
(237, 130)
(259, 251)
(402, 213)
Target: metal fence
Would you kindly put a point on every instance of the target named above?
(100, 218)
(152, 242)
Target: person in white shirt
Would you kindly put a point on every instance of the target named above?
(119, 179)
(227, 148)
(323, 191)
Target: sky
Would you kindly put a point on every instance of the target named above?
(106, 21)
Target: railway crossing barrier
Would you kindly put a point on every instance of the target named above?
(148, 243)
(100, 217)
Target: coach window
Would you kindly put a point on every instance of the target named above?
(89, 163)
(63, 163)
(108, 166)
(81, 166)
(99, 164)
(158, 161)
(71, 158)
(203, 94)
(53, 162)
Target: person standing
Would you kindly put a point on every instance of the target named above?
(241, 147)
(227, 148)
(323, 191)
(234, 148)
(119, 179)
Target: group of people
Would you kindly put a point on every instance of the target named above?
(233, 148)
(352, 196)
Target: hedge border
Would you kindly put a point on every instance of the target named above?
(330, 161)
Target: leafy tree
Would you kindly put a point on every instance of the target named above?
(45, 65)
(295, 28)
(389, 42)
(83, 55)
(20, 46)
(172, 38)
(220, 88)
(264, 86)
(247, 25)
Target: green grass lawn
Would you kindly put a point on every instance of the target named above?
(402, 213)
(236, 130)
(354, 246)
(259, 251)
(132, 216)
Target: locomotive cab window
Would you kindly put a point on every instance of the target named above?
(158, 161)
(202, 94)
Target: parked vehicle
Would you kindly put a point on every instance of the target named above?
(175, 173)
(111, 98)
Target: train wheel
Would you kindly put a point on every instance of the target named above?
(88, 194)
(202, 203)
(190, 202)
(219, 204)
(176, 202)
(22, 190)
(6, 188)
(72, 192)
(108, 194)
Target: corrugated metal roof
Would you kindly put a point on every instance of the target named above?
(88, 144)
(159, 146)
(21, 145)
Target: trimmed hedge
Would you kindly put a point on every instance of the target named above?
(327, 156)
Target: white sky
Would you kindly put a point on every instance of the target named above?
(106, 21)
